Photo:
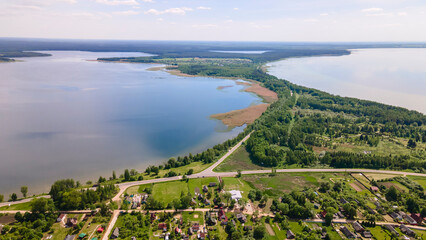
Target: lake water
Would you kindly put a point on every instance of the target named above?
(392, 76)
(65, 117)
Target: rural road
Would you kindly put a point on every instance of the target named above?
(351, 221)
(3, 204)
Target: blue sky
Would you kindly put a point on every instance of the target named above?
(230, 20)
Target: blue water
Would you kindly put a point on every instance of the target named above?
(66, 117)
(392, 76)
(241, 52)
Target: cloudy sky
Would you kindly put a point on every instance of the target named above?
(223, 20)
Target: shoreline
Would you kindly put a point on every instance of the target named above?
(239, 117)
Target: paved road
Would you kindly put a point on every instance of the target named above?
(377, 223)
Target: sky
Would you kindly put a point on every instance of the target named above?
(217, 20)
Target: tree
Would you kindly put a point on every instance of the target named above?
(259, 232)
(238, 173)
(412, 205)
(41, 205)
(13, 197)
(227, 197)
(1, 198)
(113, 175)
(411, 144)
(422, 212)
(328, 218)
(24, 191)
(324, 187)
(392, 194)
(126, 175)
(19, 217)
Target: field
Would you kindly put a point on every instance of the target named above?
(239, 160)
(193, 217)
(237, 184)
(286, 182)
(19, 206)
(379, 233)
(7, 219)
(419, 180)
(379, 176)
(168, 191)
(385, 147)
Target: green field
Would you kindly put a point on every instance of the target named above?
(379, 233)
(20, 206)
(286, 182)
(231, 183)
(193, 217)
(168, 191)
(419, 180)
(239, 160)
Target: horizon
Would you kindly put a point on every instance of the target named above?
(237, 21)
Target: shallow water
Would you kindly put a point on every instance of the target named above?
(65, 117)
(391, 76)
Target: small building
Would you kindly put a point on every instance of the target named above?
(71, 222)
(195, 227)
(61, 218)
(100, 229)
(82, 235)
(235, 195)
(417, 218)
(290, 234)
(212, 184)
(133, 238)
(222, 217)
(205, 189)
(197, 191)
(391, 229)
(153, 217)
(201, 236)
(406, 230)
(374, 188)
(317, 205)
(358, 227)
(69, 237)
(248, 228)
(116, 233)
(396, 216)
(323, 213)
(367, 234)
(410, 220)
(207, 202)
(347, 232)
(241, 217)
(162, 226)
(178, 230)
(193, 202)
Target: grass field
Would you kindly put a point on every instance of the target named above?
(59, 232)
(419, 180)
(193, 217)
(168, 191)
(231, 183)
(379, 176)
(239, 160)
(19, 206)
(385, 147)
(286, 182)
(379, 233)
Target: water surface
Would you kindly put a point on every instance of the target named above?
(391, 76)
(66, 117)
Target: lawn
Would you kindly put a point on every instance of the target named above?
(385, 147)
(380, 176)
(168, 191)
(419, 180)
(379, 233)
(19, 206)
(193, 217)
(239, 160)
(286, 182)
(59, 232)
(231, 183)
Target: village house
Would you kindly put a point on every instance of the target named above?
(347, 232)
(396, 216)
(195, 227)
(69, 237)
(406, 230)
(367, 234)
(358, 227)
(115, 234)
(162, 226)
(417, 218)
(212, 184)
(410, 220)
(374, 188)
(61, 218)
(241, 217)
(392, 230)
(290, 234)
(205, 189)
(222, 217)
(71, 222)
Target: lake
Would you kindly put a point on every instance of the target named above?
(392, 76)
(66, 117)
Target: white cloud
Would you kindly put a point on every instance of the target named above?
(229, 21)
(25, 7)
(402, 14)
(204, 8)
(324, 14)
(179, 11)
(120, 2)
(126, 13)
(372, 10)
(236, 9)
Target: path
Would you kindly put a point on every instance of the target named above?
(377, 223)
(3, 204)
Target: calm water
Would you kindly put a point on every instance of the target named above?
(63, 116)
(392, 76)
